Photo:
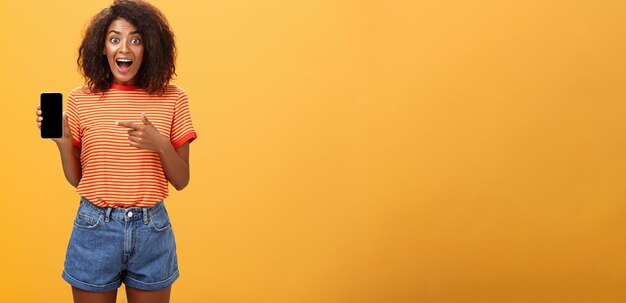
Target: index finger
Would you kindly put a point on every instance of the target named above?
(128, 124)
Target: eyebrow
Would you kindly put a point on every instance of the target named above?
(116, 32)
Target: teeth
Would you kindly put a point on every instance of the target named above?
(124, 60)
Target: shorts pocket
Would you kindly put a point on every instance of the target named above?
(87, 220)
(160, 221)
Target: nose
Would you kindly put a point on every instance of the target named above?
(124, 47)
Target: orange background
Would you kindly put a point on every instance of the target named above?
(354, 151)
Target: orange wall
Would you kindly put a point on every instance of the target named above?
(352, 151)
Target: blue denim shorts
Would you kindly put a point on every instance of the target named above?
(110, 246)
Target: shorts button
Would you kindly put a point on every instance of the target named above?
(130, 214)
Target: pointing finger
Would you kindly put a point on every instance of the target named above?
(129, 124)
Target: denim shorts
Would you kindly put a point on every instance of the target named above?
(110, 246)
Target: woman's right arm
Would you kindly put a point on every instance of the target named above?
(70, 155)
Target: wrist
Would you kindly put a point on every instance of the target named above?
(165, 146)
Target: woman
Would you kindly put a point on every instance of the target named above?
(126, 134)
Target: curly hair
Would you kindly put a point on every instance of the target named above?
(159, 56)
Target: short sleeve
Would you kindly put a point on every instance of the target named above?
(182, 127)
(74, 120)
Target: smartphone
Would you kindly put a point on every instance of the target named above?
(52, 113)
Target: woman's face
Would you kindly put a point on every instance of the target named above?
(124, 50)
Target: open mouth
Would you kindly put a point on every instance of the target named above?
(123, 64)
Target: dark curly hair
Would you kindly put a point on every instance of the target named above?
(159, 55)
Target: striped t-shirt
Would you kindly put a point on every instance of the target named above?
(114, 173)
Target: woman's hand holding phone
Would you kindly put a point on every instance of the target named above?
(67, 136)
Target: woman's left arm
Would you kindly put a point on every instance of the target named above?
(175, 162)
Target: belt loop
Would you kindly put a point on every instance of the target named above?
(108, 215)
(145, 215)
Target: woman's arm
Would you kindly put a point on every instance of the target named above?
(70, 157)
(175, 163)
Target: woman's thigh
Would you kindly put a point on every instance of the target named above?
(135, 295)
(83, 296)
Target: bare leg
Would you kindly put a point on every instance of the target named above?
(135, 295)
(83, 296)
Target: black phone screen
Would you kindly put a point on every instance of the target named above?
(52, 113)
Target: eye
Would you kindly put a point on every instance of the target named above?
(114, 40)
(135, 41)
